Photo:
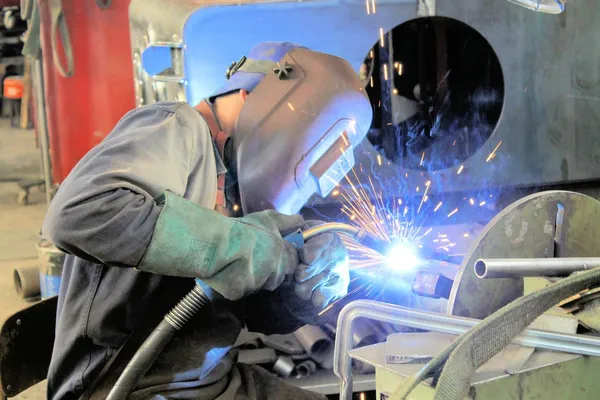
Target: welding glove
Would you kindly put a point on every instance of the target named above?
(322, 275)
(321, 278)
(234, 256)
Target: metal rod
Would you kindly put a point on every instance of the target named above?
(342, 367)
(41, 125)
(524, 267)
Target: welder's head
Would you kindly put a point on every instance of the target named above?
(298, 126)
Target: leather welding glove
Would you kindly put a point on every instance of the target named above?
(322, 275)
(234, 256)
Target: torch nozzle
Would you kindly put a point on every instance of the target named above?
(351, 230)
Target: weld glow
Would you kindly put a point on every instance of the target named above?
(402, 257)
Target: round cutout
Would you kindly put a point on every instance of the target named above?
(437, 91)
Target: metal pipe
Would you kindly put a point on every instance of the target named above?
(284, 366)
(41, 126)
(342, 367)
(314, 341)
(524, 267)
(306, 368)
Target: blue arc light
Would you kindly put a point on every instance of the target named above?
(402, 257)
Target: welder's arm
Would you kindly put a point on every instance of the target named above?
(234, 256)
(105, 210)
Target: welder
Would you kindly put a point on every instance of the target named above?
(176, 192)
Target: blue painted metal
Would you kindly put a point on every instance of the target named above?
(216, 36)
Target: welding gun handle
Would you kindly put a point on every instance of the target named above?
(296, 239)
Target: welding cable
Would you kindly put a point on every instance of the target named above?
(176, 319)
(152, 347)
(484, 341)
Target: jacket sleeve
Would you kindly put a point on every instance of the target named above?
(105, 211)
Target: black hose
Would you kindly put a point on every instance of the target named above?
(151, 348)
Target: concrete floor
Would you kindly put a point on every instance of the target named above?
(19, 225)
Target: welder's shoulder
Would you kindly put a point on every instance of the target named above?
(180, 113)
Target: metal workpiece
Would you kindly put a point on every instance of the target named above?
(27, 282)
(285, 343)
(257, 356)
(528, 267)
(364, 334)
(543, 225)
(576, 344)
(251, 345)
(284, 366)
(306, 368)
(315, 342)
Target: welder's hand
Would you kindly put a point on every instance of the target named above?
(322, 275)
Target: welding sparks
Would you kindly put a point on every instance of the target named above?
(236, 207)
(460, 169)
(393, 223)
(472, 201)
(381, 37)
(482, 204)
(371, 81)
(385, 72)
(291, 106)
(400, 68)
(373, 7)
(422, 158)
(368, 6)
(427, 184)
(493, 153)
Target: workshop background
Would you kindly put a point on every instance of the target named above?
(477, 105)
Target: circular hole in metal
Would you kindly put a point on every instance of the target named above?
(437, 90)
(480, 268)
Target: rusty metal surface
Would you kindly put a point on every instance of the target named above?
(525, 229)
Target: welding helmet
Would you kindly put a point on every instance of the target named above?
(295, 135)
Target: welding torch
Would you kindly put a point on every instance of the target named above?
(197, 298)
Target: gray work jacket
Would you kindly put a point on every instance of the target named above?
(103, 216)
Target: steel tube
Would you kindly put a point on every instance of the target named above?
(314, 341)
(524, 267)
(342, 367)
